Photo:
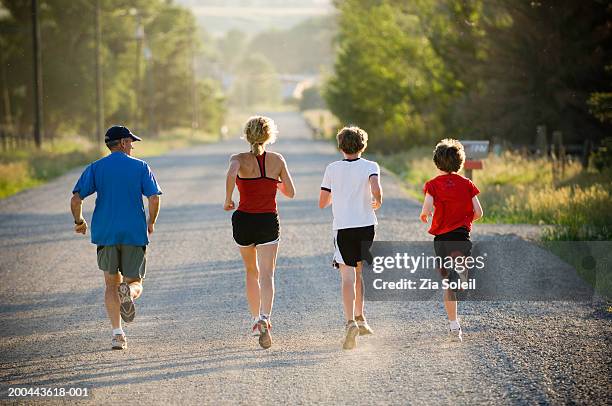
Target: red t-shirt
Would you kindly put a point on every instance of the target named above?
(452, 195)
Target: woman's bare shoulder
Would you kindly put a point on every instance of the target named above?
(240, 156)
(275, 156)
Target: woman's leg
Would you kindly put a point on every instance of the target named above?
(348, 291)
(249, 257)
(266, 256)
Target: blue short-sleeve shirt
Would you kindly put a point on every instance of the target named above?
(120, 182)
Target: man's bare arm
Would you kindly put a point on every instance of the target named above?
(154, 204)
(76, 207)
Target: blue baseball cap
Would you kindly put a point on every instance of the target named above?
(118, 132)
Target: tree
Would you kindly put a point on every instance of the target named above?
(413, 72)
(149, 80)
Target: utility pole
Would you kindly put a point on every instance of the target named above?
(99, 89)
(139, 43)
(38, 100)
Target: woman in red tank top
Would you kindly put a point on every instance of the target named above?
(255, 225)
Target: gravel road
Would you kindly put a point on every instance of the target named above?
(190, 341)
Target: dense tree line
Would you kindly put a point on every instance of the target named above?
(412, 72)
(148, 52)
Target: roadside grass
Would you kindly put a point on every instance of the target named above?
(28, 167)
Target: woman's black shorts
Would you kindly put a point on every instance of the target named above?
(255, 228)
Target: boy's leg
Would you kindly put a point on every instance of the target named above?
(359, 302)
(348, 291)
(267, 263)
(249, 257)
(450, 304)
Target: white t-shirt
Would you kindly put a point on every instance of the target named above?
(349, 184)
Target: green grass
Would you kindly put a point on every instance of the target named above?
(517, 189)
(28, 167)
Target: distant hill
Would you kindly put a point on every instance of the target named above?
(253, 16)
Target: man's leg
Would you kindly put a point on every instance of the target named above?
(348, 291)
(249, 257)
(111, 298)
(267, 263)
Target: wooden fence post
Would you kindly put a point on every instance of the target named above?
(541, 141)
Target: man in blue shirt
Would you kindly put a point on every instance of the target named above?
(119, 226)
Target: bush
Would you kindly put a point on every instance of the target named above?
(602, 158)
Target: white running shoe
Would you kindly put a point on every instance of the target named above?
(253, 329)
(456, 335)
(364, 328)
(119, 342)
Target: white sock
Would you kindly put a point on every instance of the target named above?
(454, 325)
(264, 317)
(118, 331)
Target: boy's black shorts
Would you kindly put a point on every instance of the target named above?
(347, 243)
(457, 240)
(452, 244)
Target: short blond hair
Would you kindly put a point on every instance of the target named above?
(449, 155)
(258, 131)
(352, 140)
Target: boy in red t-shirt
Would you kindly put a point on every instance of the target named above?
(456, 207)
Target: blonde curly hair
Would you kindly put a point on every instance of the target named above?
(259, 131)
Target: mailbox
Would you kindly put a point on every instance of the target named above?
(475, 152)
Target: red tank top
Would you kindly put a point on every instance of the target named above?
(257, 195)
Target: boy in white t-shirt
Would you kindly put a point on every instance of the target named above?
(352, 187)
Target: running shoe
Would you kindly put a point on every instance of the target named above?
(265, 337)
(364, 328)
(255, 329)
(456, 335)
(119, 342)
(351, 330)
(127, 309)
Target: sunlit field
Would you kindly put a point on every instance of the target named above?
(520, 189)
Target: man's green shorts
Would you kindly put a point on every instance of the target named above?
(130, 260)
